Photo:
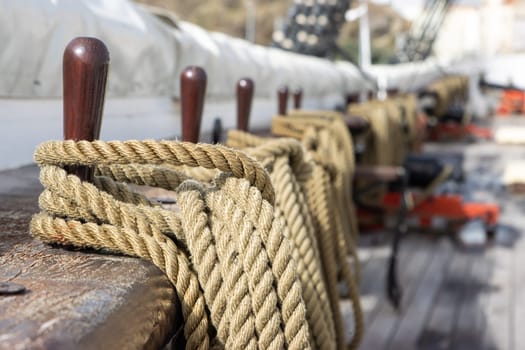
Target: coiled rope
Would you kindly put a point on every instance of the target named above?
(224, 250)
(448, 89)
(328, 192)
(394, 134)
(290, 173)
(325, 136)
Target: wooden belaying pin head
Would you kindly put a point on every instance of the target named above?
(245, 88)
(297, 98)
(282, 97)
(352, 98)
(85, 70)
(192, 91)
(392, 92)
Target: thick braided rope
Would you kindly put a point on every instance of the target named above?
(409, 104)
(306, 253)
(240, 139)
(327, 139)
(145, 241)
(389, 144)
(378, 149)
(193, 249)
(448, 89)
(321, 194)
(333, 143)
(283, 266)
(349, 276)
(156, 152)
(398, 139)
(264, 149)
(332, 187)
(144, 174)
(400, 110)
(121, 191)
(242, 320)
(318, 201)
(284, 158)
(344, 210)
(336, 145)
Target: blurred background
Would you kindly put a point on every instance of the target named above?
(487, 26)
(347, 47)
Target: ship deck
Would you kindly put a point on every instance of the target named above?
(455, 295)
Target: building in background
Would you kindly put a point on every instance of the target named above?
(487, 28)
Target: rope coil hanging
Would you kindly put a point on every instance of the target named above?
(224, 250)
(290, 172)
(325, 136)
(394, 134)
(328, 193)
(447, 90)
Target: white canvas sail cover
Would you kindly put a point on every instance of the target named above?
(147, 55)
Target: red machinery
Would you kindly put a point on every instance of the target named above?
(512, 101)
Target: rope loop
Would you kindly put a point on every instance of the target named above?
(77, 153)
(329, 194)
(224, 247)
(304, 173)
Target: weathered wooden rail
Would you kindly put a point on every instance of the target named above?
(74, 299)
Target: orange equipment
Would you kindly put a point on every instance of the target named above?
(512, 101)
(455, 131)
(449, 207)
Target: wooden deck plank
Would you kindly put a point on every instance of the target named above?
(498, 308)
(413, 260)
(515, 230)
(412, 322)
(518, 280)
(439, 327)
(365, 253)
(372, 287)
(470, 321)
(373, 281)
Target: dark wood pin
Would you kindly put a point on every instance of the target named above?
(356, 124)
(85, 70)
(392, 92)
(192, 91)
(245, 88)
(352, 98)
(297, 98)
(282, 95)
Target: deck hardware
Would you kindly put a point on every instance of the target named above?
(297, 98)
(192, 91)
(85, 69)
(217, 131)
(282, 96)
(245, 88)
(10, 288)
